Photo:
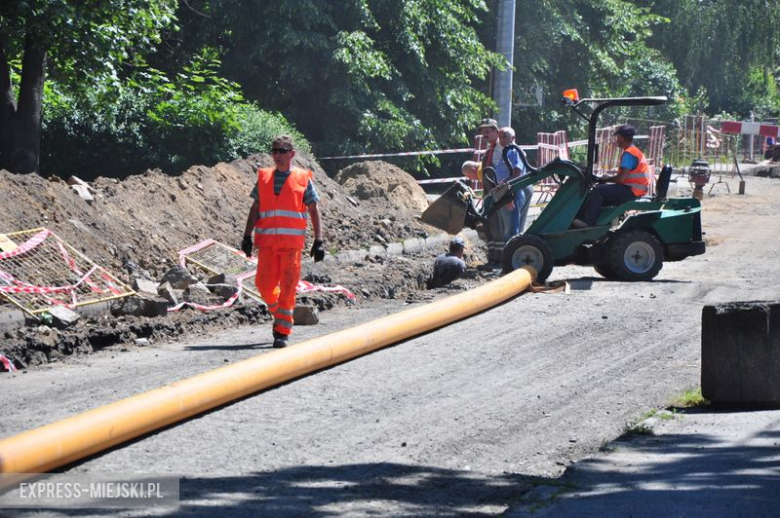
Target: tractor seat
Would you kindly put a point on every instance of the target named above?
(661, 188)
(661, 185)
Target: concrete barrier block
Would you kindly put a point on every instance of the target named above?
(740, 353)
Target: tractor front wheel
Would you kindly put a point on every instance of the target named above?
(523, 250)
(635, 256)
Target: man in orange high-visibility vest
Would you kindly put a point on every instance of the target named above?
(632, 180)
(277, 220)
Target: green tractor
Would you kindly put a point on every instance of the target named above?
(629, 242)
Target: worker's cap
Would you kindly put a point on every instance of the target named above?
(625, 130)
(488, 123)
(457, 240)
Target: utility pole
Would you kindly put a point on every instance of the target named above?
(505, 45)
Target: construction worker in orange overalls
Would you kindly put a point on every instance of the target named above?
(277, 220)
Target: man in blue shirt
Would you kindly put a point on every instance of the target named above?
(518, 208)
(448, 266)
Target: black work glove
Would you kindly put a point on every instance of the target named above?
(317, 251)
(246, 245)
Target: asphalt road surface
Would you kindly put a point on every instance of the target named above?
(466, 419)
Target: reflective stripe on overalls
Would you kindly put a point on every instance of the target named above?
(279, 237)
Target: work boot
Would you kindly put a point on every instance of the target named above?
(280, 340)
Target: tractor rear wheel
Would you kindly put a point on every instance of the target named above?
(635, 256)
(524, 250)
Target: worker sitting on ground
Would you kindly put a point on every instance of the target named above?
(448, 266)
(632, 180)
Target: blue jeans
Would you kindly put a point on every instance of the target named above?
(601, 195)
(522, 204)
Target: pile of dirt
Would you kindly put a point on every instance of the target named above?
(136, 227)
(383, 184)
(147, 218)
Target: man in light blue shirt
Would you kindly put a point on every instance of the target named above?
(513, 214)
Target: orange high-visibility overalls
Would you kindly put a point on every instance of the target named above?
(279, 237)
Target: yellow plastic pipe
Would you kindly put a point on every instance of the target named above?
(62, 442)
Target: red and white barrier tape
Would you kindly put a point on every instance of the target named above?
(406, 153)
(750, 128)
(306, 286)
(23, 287)
(31, 243)
(229, 302)
(555, 147)
(471, 150)
(8, 364)
(443, 180)
(302, 287)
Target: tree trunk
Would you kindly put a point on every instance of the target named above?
(7, 107)
(26, 153)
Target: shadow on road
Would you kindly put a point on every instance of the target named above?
(210, 347)
(376, 488)
(688, 474)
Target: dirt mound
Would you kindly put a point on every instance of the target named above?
(147, 218)
(135, 227)
(383, 184)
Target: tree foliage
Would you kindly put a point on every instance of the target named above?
(597, 46)
(151, 119)
(356, 74)
(72, 41)
(729, 48)
(352, 76)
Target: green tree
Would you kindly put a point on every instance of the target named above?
(71, 40)
(154, 120)
(353, 75)
(597, 46)
(731, 48)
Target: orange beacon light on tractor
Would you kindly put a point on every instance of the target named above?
(572, 95)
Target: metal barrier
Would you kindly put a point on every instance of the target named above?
(549, 147)
(44, 271)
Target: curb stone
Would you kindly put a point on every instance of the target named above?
(408, 246)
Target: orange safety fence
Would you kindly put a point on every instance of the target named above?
(550, 146)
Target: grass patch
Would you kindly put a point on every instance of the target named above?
(690, 398)
(638, 429)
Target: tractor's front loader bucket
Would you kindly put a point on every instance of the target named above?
(448, 213)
